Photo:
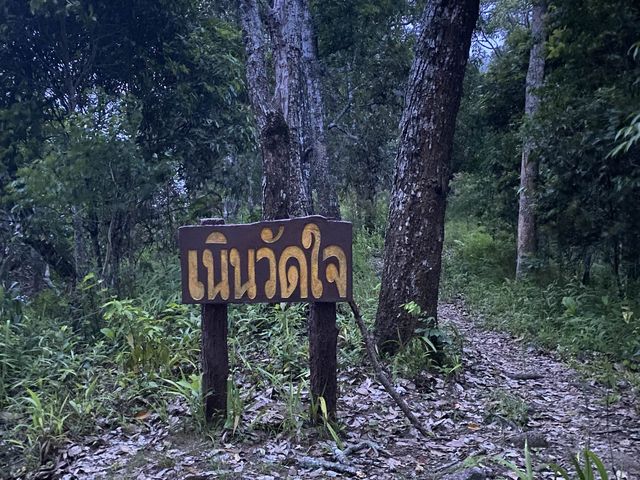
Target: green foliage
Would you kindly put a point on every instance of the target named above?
(235, 407)
(47, 420)
(143, 125)
(627, 137)
(146, 105)
(526, 474)
(190, 390)
(58, 379)
(558, 312)
(474, 250)
(487, 141)
(367, 53)
(508, 407)
(433, 348)
(592, 465)
(71, 359)
(140, 340)
(592, 469)
(583, 298)
(585, 195)
(328, 424)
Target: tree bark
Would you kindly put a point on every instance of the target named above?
(527, 234)
(415, 228)
(256, 65)
(280, 117)
(79, 245)
(285, 21)
(315, 146)
(275, 148)
(291, 120)
(323, 334)
(274, 137)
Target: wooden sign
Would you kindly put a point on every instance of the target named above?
(304, 259)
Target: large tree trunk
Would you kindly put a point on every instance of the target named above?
(527, 235)
(274, 135)
(285, 26)
(275, 147)
(315, 145)
(292, 140)
(415, 229)
(280, 116)
(291, 120)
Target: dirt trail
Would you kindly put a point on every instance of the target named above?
(568, 412)
(503, 382)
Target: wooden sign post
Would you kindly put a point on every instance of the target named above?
(306, 259)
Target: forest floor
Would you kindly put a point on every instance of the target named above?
(505, 390)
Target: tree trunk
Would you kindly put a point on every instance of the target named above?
(79, 244)
(291, 121)
(273, 130)
(415, 228)
(279, 116)
(285, 22)
(275, 148)
(315, 146)
(527, 235)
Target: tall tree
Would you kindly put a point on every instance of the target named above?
(315, 146)
(415, 228)
(111, 103)
(292, 140)
(527, 234)
(289, 113)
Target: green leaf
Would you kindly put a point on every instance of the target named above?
(527, 460)
(602, 471)
(557, 469)
(108, 332)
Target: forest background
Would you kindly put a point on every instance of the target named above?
(121, 121)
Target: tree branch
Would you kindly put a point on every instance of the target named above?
(382, 377)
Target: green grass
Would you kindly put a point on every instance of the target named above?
(70, 360)
(507, 407)
(557, 312)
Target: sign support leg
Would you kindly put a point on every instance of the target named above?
(215, 354)
(215, 360)
(323, 340)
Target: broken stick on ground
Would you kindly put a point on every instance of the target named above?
(382, 377)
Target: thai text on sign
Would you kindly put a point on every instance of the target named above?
(296, 260)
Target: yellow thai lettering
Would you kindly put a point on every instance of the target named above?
(248, 287)
(337, 275)
(222, 287)
(295, 275)
(311, 235)
(196, 287)
(270, 284)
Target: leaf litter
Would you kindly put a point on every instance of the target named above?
(564, 414)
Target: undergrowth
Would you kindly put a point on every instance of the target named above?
(557, 312)
(86, 360)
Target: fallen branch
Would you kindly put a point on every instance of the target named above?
(341, 455)
(382, 378)
(327, 465)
